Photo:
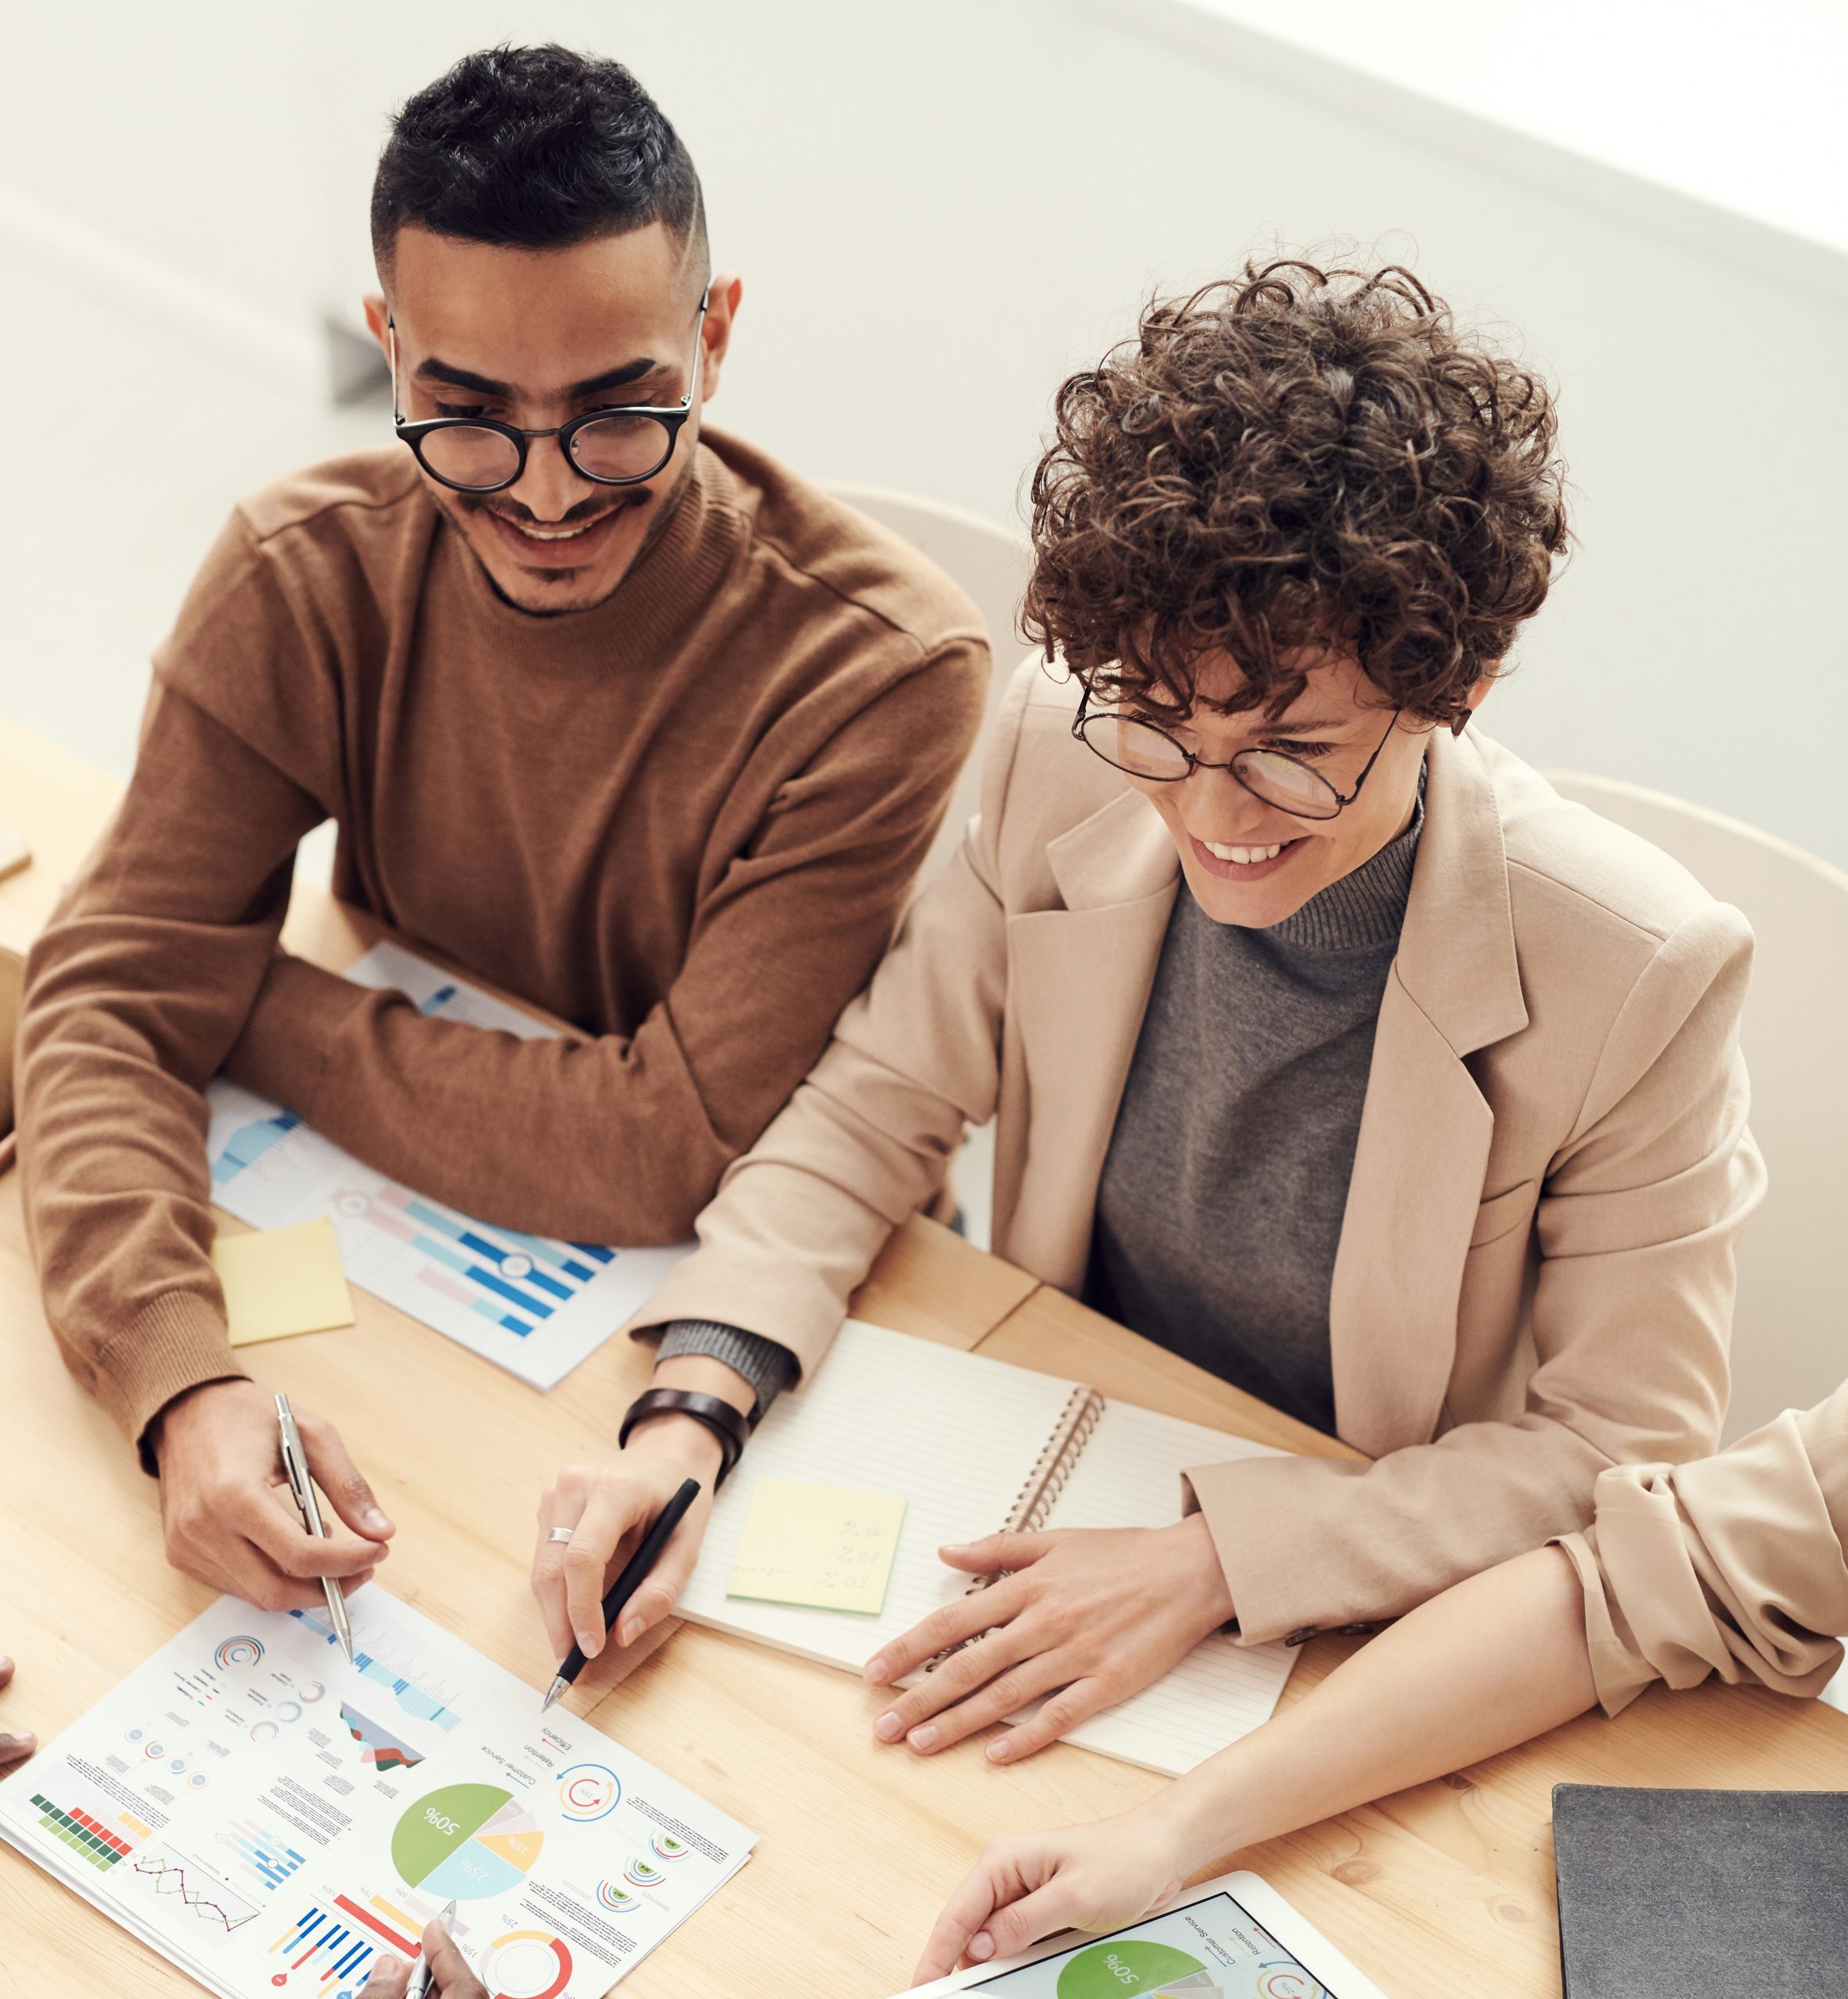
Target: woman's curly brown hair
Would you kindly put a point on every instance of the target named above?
(1289, 465)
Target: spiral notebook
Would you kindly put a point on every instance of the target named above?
(973, 1444)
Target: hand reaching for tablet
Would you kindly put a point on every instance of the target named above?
(1086, 1618)
(1100, 1877)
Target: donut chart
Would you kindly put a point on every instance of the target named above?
(468, 1840)
(526, 1964)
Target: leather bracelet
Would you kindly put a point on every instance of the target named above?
(726, 1422)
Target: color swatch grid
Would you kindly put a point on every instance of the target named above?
(94, 1841)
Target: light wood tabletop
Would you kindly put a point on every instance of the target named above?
(1443, 1890)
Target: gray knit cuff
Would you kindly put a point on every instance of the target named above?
(768, 1365)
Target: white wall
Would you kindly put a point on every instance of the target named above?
(939, 209)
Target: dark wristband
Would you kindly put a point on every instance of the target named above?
(725, 1422)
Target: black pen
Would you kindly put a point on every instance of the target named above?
(635, 1573)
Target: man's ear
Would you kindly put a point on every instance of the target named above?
(721, 308)
(376, 313)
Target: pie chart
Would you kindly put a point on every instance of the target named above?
(468, 1840)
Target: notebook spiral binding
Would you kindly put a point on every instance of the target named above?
(1033, 1506)
(1055, 1464)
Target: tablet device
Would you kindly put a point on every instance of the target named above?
(1232, 1938)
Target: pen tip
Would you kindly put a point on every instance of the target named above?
(552, 1694)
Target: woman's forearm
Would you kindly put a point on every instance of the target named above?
(1487, 1664)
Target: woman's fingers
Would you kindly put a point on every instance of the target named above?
(657, 1597)
(290, 1551)
(992, 1880)
(1058, 1716)
(961, 1673)
(995, 1552)
(16, 1748)
(1058, 1905)
(1018, 1686)
(946, 1626)
(449, 1969)
(563, 1506)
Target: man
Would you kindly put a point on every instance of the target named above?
(621, 716)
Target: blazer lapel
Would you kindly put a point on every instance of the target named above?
(1078, 984)
(1425, 1132)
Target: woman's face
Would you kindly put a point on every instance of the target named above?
(1246, 861)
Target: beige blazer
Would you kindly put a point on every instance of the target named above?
(1536, 1270)
(1733, 1566)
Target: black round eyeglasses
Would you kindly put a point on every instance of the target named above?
(1145, 750)
(609, 447)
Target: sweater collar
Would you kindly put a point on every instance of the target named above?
(1364, 909)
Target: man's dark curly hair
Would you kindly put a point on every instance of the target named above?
(535, 147)
(1295, 464)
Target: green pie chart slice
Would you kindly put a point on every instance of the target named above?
(438, 1824)
(1123, 1968)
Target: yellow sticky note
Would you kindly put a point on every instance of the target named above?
(282, 1280)
(821, 1545)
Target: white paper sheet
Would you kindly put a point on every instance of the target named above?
(533, 1305)
(274, 1820)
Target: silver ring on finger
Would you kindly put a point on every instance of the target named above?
(558, 1534)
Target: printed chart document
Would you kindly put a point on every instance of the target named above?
(273, 1820)
(532, 1305)
(973, 1444)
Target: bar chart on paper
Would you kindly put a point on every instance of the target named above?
(532, 1304)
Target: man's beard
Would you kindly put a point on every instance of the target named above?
(457, 507)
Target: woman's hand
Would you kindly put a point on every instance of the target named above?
(1097, 1877)
(1085, 1618)
(609, 1504)
(13, 1749)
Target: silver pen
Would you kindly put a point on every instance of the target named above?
(420, 1979)
(295, 1466)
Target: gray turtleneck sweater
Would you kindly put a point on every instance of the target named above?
(1219, 1209)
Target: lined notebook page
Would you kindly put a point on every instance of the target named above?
(1129, 1476)
(955, 1434)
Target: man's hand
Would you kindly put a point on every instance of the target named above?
(13, 1749)
(609, 1504)
(450, 1974)
(1098, 1877)
(225, 1507)
(1083, 1618)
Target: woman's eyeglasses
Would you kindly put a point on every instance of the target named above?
(1146, 749)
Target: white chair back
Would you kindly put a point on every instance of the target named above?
(1790, 1333)
(990, 563)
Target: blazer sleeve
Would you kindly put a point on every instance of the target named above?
(1634, 1279)
(1733, 1566)
(867, 1139)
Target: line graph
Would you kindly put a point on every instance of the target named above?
(170, 1874)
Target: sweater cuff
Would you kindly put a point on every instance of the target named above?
(768, 1365)
(176, 1343)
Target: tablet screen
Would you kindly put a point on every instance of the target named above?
(1210, 1949)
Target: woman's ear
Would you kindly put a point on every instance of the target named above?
(1475, 698)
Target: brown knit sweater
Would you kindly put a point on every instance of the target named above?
(684, 821)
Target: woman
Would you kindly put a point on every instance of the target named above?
(1329, 1046)
(1734, 1566)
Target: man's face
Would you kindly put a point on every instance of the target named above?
(533, 338)
(1247, 862)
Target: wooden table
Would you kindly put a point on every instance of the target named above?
(1442, 1891)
